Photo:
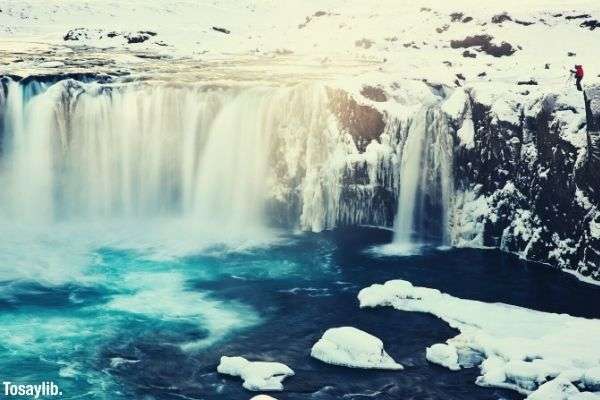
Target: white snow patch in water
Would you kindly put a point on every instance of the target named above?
(351, 347)
(533, 352)
(257, 375)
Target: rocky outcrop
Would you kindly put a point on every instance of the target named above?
(536, 180)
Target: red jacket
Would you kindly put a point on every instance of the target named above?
(579, 71)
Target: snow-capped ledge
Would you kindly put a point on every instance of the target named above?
(543, 355)
(257, 375)
(351, 347)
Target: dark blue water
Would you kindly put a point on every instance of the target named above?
(155, 329)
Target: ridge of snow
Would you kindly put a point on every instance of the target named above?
(536, 353)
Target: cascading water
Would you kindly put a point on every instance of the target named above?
(215, 155)
(229, 157)
(426, 183)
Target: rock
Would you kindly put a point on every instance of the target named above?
(530, 82)
(351, 347)
(577, 16)
(484, 43)
(76, 34)
(500, 18)
(263, 397)
(591, 379)
(591, 24)
(138, 37)
(257, 375)
(364, 43)
(363, 123)
(374, 93)
(222, 30)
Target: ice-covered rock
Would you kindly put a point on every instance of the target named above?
(257, 375)
(444, 355)
(591, 379)
(557, 389)
(536, 353)
(351, 347)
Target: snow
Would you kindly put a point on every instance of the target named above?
(557, 389)
(444, 355)
(263, 397)
(351, 347)
(536, 353)
(257, 375)
(293, 34)
(466, 134)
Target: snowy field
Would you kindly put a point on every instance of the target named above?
(404, 39)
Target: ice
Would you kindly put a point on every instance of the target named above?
(529, 351)
(351, 347)
(257, 375)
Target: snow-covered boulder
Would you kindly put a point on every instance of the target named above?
(263, 397)
(351, 347)
(444, 355)
(557, 389)
(591, 379)
(257, 375)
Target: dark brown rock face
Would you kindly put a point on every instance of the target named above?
(362, 122)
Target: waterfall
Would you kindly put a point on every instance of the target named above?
(223, 157)
(216, 155)
(426, 183)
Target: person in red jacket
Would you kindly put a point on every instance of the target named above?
(578, 76)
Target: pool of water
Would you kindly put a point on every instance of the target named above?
(124, 318)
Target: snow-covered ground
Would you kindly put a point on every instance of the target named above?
(544, 355)
(401, 38)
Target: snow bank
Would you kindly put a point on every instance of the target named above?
(351, 347)
(257, 375)
(544, 355)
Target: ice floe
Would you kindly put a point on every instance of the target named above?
(351, 347)
(543, 355)
(257, 375)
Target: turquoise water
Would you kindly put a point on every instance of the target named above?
(145, 312)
